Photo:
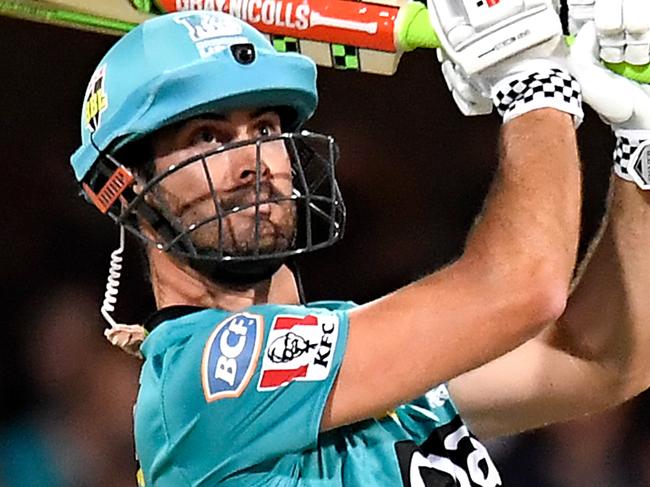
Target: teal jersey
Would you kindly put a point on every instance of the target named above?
(236, 399)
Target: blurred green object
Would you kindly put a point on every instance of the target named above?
(636, 73)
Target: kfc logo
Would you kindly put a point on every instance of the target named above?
(298, 348)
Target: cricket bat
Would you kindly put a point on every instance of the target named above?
(367, 35)
(345, 34)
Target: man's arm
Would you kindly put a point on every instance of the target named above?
(511, 280)
(596, 355)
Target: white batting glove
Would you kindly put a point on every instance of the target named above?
(503, 50)
(620, 102)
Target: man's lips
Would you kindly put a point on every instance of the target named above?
(264, 210)
(240, 204)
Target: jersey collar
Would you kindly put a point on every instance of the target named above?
(169, 313)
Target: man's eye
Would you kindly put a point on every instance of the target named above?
(268, 128)
(204, 136)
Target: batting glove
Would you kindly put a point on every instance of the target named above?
(622, 103)
(508, 53)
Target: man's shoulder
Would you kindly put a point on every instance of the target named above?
(332, 305)
(198, 315)
(180, 325)
(272, 311)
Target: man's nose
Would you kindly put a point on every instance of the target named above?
(244, 167)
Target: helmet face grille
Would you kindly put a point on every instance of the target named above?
(188, 210)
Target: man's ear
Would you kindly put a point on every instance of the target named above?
(138, 185)
(147, 230)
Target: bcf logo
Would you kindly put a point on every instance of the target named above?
(230, 356)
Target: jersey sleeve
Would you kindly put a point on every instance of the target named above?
(424, 415)
(256, 381)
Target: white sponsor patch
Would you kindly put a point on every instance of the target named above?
(299, 348)
(230, 356)
(212, 33)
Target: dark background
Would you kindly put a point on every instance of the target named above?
(413, 172)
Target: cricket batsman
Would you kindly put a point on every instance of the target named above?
(193, 140)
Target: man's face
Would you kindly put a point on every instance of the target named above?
(230, 175)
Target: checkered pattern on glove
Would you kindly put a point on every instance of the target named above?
(630, 163)
(623, 151)
(527, 91)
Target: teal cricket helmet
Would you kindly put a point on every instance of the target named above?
(180, 65)
(183, 65)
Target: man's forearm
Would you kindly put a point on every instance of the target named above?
(496, 296)
(520, 255)
(533, 211)
(607, 321)
(595, 356)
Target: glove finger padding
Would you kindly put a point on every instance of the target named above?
(580, 12)
(603, 90)
(609, 26)
(623, 28)
(636, 18)
(469, 100)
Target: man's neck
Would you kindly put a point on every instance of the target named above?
(174, 283)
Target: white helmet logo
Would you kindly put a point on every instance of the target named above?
(212, 33)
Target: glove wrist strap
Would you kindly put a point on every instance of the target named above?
(632, 156)
(533, 89)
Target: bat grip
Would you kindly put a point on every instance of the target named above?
(413, 28)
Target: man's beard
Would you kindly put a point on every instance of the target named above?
(276, 230)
